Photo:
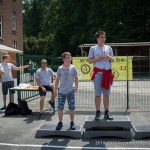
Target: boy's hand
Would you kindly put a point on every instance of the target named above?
(26, 66)
(2, 71)
(106, 57)
(75, 89)
(101, 57)
(43, 89)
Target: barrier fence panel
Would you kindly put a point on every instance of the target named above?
(139, 87)
(130, 89)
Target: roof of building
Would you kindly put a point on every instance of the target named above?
(6, 49)
(120, 44)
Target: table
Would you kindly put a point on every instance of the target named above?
(26, 89)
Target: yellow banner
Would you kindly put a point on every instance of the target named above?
(121, 67)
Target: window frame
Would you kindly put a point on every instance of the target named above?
(14, 44)
(14, 21)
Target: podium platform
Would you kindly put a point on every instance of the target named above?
(140, 132)
(120, 126)
(50, 131)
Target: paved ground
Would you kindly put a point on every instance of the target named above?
(18, 132)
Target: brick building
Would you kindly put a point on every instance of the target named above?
(11, 26)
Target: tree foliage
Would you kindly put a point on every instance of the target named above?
(54, 26)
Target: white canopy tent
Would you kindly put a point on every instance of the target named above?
(5, 49)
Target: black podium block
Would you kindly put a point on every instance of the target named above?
(140, 132)
(118, 121)
(118, 127)
(50, 131)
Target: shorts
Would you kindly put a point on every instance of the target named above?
(32, 72)
(48, 88)
(6, 85)
(70, 98)
(97, 86)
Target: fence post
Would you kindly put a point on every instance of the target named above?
(18, 75)
(127, 85)
(18, 72)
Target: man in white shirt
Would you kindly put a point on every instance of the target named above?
(7, 78)
(44, 77)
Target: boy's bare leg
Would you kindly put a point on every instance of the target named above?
(42, 103)
(97, 102)
(4, 99)
(53, 97)
(60, 115)
(72, 113)
(106, 102)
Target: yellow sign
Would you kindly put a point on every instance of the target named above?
(121, 67)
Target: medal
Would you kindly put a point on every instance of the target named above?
(66, 71)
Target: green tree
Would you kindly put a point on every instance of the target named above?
(62, 25)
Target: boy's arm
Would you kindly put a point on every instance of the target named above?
(38, 83)
(56, 85)
(19, 68)
(91, 58)
(37, 79)
(94, 60)
(76, 83)
(2, 71)
(110, 58)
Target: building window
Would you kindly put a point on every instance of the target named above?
(1, 27)
(14, 21)
(14, 44)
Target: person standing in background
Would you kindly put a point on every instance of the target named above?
(31, 70)
(7, 79)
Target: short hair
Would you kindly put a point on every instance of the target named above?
(5, 56)
(43, 61)
(64, 54)
(98, 33)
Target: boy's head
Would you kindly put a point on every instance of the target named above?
(66, 56)
(43, 63)
(100, 36)
(6, 58)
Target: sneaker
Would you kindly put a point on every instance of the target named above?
(59, 126)
(40, 116)
(107, 115)
(98, 115)
(52, 104)
(72, 125)
(3, 108)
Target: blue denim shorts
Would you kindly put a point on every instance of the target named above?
(70, 99)
(97, 86)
